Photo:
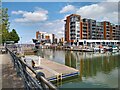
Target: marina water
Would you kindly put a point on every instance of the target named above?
(96, 70)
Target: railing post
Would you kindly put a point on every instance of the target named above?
(38, 76)
(25, 75)
(13, 58)
(6, 50)
(17, 64)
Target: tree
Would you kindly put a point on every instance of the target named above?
(13, 36)
(6, 35)
(5, 25)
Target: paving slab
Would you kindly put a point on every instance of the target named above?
(9, 78)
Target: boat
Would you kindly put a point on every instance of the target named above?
(96, 49)
(101, 50)
(115, 49)
(108, 49)
(87, 49)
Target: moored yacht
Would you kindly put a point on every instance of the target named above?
(115, 49)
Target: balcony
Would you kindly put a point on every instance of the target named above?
(117, 35)
(113, 33)
(84, 26)
(113, 30)
(107, 31)
(93, 27)
(73, 28)
(84, 33)
(108, 34)
(72, 37)
(78, 36)
(108, 27)
(78, 31)
(72, 34)
(84, 37)
(84, 30)
(93, 23)
(72, 24)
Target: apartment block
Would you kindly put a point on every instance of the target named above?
(44, 37)
(55, 41)
(113, 32)
(77, 29)
(92, 29)
(107, 30)
(72, 28)
(117, 35)
(99, 31)
(61, 40)
(84, 29)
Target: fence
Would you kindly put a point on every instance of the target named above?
(39, 82)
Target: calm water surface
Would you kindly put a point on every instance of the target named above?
(96, 70)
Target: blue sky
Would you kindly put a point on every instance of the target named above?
(29, 17)
(53, 0)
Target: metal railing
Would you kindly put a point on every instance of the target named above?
(37, 82)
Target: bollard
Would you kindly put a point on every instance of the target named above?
(59, 77)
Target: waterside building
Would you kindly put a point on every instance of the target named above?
(44, 37)
(78, 30)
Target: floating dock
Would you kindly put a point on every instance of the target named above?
(54, 71)
(81, 50)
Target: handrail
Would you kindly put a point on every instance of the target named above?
(39, 75)
(48, 83)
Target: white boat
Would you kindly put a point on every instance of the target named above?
(96, 49)
(102, 50)
(114, 49)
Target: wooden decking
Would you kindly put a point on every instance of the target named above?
(52, 69)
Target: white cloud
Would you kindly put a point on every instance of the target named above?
(91, 11)
(112, 0)
(18, 12)
(60, 32)
(56, 27)
(112, 18)
(100, 11)
(67, 8)
(28, 42)
(36, 16)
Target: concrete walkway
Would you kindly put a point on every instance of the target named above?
(8, 77)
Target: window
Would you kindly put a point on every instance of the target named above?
(78, 35)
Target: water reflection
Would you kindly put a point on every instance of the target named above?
(88, 63)
(93, 67)
(92, 64)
